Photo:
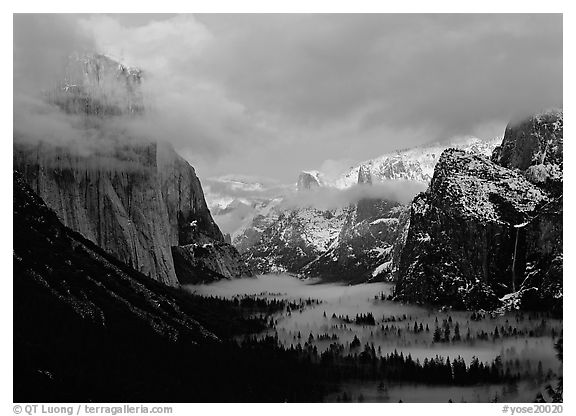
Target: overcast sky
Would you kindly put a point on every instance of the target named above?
(270, 95)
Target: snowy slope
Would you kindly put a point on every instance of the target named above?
(336, 243)
(416, 164)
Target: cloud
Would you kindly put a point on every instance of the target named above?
(221, 191)
(403, 70)
(326, 198)
(42, 44)
(190, 111)
(235, 200)
(356, 86)
(232, 220)
(271, 95)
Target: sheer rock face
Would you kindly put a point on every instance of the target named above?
(136, 203)
(182, 193)
(483, 233)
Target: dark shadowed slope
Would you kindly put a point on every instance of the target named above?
(87, 327)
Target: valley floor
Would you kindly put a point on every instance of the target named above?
(363, 333)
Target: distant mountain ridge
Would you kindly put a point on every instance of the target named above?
(415, 164)
(355, 243)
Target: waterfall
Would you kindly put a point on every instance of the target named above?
(514, 260)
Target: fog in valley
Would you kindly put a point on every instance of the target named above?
(320, 314)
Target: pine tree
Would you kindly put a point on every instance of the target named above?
(437, 335)
(447, 334)
(355, 342)
(456, 332)
(540, 372)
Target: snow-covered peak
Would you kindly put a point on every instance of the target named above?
(309, 179)
(416, 164)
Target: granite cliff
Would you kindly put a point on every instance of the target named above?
(133, 196)
(488, 233)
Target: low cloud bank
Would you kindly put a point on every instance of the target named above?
(180, 108)
(245, 188)
(330, 198)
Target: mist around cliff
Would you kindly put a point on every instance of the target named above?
(325, 198)
(180, 109)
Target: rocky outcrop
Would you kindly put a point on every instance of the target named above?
(364, 176)
(484, 234)
(206, 262)
(534, 146)
(462, 237)
(248, 236)
(295, 239)
(542, 288)
(537, 140)
(308, 181)
(366, 248)
(137, 203)
(58, 268)
(354, 244)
